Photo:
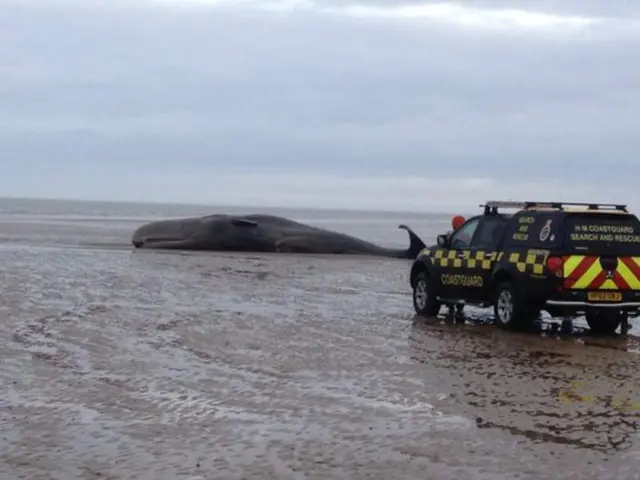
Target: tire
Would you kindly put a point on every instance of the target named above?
(604, 323)
(510, 312)
(425, 300)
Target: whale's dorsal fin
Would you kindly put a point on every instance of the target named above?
(243, 222)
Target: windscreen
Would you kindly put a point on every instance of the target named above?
(613, 234)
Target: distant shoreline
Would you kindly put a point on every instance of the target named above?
(232, 206)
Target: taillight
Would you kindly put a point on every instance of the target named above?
(555, 264)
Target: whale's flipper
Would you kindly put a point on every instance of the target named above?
(416, 245)
(243, 222)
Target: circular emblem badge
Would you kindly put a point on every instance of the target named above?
(545, 231)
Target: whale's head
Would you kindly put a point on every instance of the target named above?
(165, 233)
(213, 232)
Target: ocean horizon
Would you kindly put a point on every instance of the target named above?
(6, 202)
(110, 223)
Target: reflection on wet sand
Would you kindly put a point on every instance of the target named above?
(576, 390)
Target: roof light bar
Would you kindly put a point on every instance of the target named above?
(495, 204)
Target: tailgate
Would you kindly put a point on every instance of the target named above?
(594, 272)
(604, 251)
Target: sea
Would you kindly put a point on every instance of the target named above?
(42, 222)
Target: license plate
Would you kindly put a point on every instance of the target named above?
(604, 296)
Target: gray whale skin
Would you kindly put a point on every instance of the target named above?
(260, 233)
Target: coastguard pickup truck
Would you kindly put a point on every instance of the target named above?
(568, 259)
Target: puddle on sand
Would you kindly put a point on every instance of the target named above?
(549, 390)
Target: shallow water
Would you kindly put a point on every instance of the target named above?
(121, 364)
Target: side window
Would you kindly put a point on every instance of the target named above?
(489, 232)
(462, 238)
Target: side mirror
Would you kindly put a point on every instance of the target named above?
(443, 240)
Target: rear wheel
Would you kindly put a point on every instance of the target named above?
(604, 323)
(425, 300)
(510, 311)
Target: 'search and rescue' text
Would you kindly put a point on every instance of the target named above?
(604, 233)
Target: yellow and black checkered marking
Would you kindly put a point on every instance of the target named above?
(479, 259)
(529, 261)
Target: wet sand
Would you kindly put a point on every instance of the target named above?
(122, 365)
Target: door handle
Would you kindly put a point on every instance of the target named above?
(486, 254)
(461, 254)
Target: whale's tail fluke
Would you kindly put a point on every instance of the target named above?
(416, 245)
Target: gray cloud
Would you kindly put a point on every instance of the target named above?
(158, 88)
(594, 8)
(614, 9)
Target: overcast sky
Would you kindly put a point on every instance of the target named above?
(374, 103)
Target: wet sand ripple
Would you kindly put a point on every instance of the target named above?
(170, 365)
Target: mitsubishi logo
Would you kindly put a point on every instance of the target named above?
(609, 265)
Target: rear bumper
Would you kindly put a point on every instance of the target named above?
(575, 302)
(570, 303)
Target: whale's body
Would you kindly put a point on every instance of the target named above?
(260, 233)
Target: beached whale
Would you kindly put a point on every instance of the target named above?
(260, 233)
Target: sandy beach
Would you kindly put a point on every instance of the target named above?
(148, 365)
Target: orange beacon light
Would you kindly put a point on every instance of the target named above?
(457, 222)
